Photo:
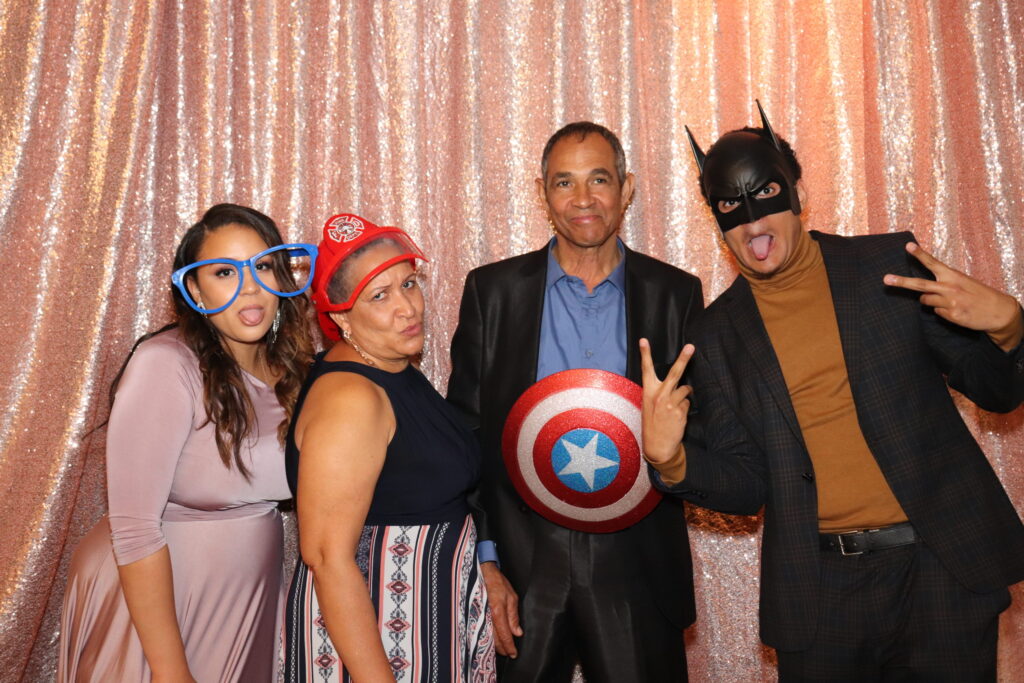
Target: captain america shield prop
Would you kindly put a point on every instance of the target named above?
(571, 445)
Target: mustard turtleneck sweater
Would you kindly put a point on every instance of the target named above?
(796, 306)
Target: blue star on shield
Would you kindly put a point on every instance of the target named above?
(585, 460)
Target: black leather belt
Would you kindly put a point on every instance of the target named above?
(859, 542)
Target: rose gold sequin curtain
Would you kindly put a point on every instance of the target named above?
(121, 120)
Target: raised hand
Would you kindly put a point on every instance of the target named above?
(504, 604)
(963, 300)
(664, 407)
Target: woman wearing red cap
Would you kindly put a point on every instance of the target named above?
(389, 585)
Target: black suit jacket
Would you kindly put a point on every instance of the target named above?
(745, 448)
(494, 360)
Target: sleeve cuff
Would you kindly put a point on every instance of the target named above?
(1010, 337)
(674, 470)
(487, 551)
(133, 539)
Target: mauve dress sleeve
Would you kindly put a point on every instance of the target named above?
(150, 421)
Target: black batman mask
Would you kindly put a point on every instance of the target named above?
(737, 168)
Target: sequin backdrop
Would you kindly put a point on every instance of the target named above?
(120, 120)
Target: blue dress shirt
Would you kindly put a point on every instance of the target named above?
(578, 329)
(581, 329)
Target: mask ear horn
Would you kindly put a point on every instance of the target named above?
(697, 153)
(767, 126)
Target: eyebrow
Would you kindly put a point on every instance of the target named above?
(594, 171)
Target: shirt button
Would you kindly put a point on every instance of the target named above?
(589, 353)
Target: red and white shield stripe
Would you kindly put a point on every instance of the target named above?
(590, 400)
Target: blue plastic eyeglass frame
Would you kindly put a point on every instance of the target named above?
(178, 276)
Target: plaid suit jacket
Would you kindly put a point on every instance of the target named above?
(745, 449)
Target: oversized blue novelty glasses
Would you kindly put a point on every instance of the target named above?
(285, 270)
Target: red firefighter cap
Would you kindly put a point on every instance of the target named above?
(344, 235)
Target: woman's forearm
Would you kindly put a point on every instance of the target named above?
(148, 589)
(351, 620)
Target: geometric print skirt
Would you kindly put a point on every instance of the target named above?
(431, 605)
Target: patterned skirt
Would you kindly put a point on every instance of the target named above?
(431, 605)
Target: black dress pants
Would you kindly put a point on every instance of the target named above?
(586, 600)
(898, 615)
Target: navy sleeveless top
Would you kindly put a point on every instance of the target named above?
(432, 462)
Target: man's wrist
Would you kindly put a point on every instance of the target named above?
(1010, 335)
(673, 470)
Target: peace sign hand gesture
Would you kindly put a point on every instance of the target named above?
(663, 410)
(961, 299)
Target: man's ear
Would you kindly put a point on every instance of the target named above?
(801, 193)
(542, 193)
(628, 186)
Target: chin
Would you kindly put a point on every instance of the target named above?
(588, 239)
(761, 270)
(255, 338)
(408, 346)
(242, 334)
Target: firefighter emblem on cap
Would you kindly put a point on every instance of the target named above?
(345, 228)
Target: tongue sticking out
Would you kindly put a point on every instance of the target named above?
(761, 244)
(251, 316)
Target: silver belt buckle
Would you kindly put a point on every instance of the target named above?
(842, 547)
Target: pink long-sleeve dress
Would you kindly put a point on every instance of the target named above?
(167, 485)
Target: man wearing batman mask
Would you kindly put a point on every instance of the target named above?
(820, 392)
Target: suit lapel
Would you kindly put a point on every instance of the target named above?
(843, 279)
(522, 318)
(636, 312)
(749, 328)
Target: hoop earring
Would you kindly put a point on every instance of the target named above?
(351, 342)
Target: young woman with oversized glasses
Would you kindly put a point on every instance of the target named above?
(182, 580)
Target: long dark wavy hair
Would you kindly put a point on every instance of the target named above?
(288, 353)
(226, 401)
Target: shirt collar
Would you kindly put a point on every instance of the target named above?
(617, 277)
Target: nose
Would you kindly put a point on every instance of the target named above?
(751, 209)
(581, 196)
(406, 307)
(248, 275)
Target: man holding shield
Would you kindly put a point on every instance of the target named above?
(582, 561)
